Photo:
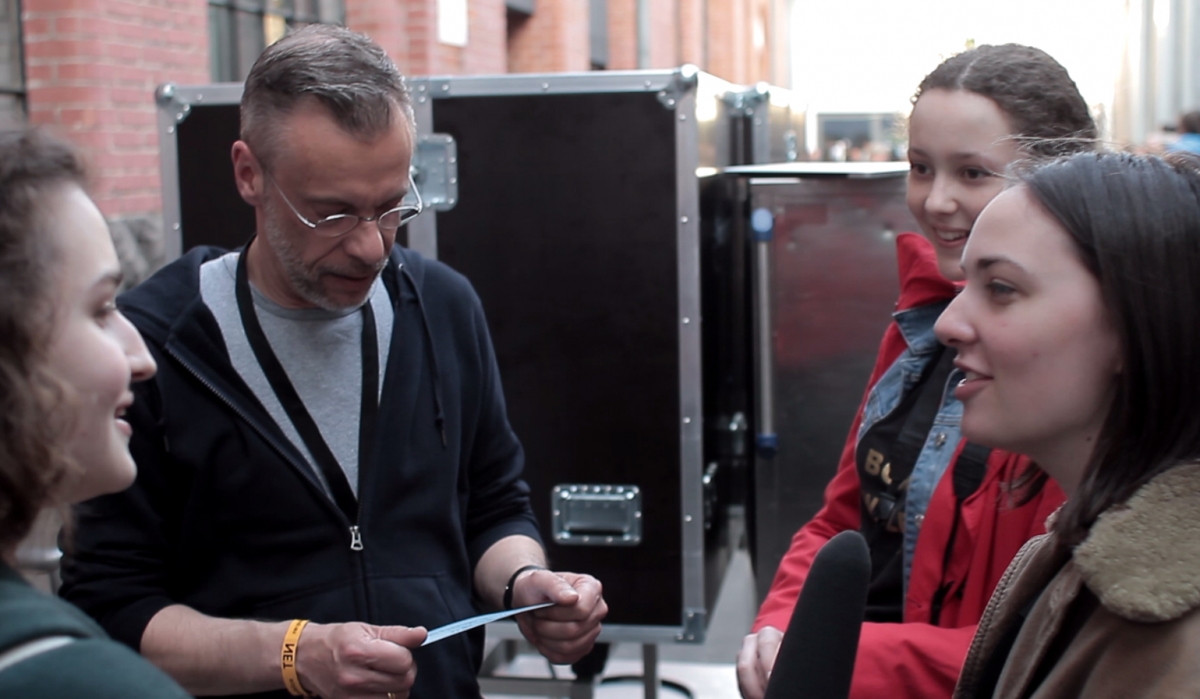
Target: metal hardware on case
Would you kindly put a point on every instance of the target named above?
(768, 445)
(791, 144)
(695, 621)
(166, 96)
(762, 221)
(590, 514)
(738, 429)
(765, 375)
(684, 81)
(708, 482)
(747, 100)
(435, 170)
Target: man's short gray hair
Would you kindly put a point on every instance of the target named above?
(341, 69)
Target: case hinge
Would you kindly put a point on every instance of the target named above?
(695, 623)
(435, 170)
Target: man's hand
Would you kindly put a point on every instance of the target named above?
(342, 661)
(565, 632)
(755, 661)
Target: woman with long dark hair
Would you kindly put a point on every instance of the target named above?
(67, 358)
(1079, 332)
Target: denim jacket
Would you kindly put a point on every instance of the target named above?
(916, 325)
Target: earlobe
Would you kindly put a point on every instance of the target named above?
(247, 173)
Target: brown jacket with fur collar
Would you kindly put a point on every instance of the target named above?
(1142, 561)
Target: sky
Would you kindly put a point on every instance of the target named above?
(869, 55)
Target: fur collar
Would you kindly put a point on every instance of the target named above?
(1142, 558)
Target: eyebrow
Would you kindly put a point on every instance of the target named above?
(984, 263)
(958, 155)
(335, 201)
(111, 278)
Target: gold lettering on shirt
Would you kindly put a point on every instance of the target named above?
(874, 462)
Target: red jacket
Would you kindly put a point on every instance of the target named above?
(915, 658)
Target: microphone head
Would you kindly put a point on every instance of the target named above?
(816, 656)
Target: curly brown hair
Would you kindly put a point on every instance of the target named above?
(33, 460)
(1035, 92)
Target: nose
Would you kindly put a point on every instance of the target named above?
(368, 243)
(941, 197)
(141, 364)
(953, 328)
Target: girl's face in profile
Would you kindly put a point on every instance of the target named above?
(1033, 337)
(93, 349)
(958, 144)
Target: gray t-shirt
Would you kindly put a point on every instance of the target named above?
(320, 350)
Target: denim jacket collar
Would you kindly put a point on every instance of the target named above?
(916, 326)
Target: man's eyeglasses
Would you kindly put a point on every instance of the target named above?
(341, 224)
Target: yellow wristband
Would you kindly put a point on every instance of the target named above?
(287, 659)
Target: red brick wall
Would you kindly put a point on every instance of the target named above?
(691, 32)
(716, 35)
(92, 66)
(622, 35)
(385, 22)
(407, 30)
(486, 50)
(664, 34)
(729, 41)
(555, 38)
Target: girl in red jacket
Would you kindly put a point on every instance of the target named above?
(942, 517)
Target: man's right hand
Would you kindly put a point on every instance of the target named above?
(755, 661)
(344, 661)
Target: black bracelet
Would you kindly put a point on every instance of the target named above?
(508, 589)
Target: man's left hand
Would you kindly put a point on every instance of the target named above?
(566, 631)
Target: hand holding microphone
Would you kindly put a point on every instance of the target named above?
(815, 658)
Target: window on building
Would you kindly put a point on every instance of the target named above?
(12, 66)
(239, 30)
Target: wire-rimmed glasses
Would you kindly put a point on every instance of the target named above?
(341, 224)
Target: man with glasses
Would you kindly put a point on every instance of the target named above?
(325, 464)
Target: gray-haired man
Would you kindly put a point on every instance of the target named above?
(326, 439)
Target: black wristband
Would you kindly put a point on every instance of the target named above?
(508, 589)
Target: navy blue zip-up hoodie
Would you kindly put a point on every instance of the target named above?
(225, 516)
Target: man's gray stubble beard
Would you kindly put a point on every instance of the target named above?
(304, 282)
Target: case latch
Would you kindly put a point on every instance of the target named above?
(435, 170)
(597, 514)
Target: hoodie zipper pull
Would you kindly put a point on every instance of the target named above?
(355, 539)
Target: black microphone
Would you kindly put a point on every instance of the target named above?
(816, 656)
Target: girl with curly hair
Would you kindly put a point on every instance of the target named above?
(67, 359)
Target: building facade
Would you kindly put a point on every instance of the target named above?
(88, 68)
(1160, 69)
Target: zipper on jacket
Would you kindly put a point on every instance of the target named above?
(356, 543)
(973, 662)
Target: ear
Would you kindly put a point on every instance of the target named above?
(247, 173)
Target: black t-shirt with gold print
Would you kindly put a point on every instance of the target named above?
(885, 458)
